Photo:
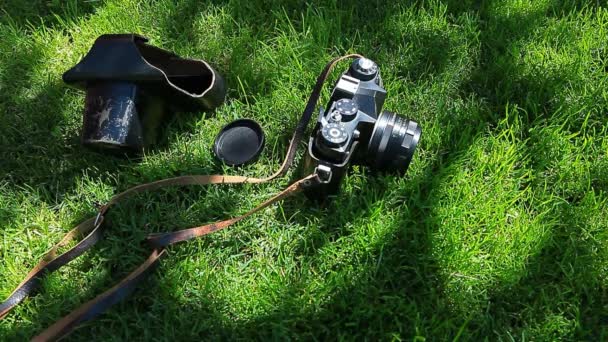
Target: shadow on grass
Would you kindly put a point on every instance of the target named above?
(35, 152)
(369, 301)
(40, 144)
(37, 147)
(120, 251)
(41, 12)
(563, 278)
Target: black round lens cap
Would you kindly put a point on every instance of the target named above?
(239, 142)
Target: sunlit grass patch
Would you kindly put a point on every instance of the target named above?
(499, 230)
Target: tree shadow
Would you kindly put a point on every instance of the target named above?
(415, 278)
(37, 147)
(565, 266)
(120, 251)
(40, 144)
(41, 12)
(368, 301)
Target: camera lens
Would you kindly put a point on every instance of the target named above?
(393, 142)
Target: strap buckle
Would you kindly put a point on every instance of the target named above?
(324, 173)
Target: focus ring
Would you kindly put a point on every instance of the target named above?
(393, 142)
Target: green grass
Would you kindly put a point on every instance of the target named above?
(499, 231)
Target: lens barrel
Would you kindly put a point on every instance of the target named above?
(393, 142)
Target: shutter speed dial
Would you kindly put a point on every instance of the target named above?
(347, 108)
(334, 134)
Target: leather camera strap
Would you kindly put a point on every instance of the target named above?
(93, 228)
(121, 290)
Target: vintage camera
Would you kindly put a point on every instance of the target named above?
(355, 130)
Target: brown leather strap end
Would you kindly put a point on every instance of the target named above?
(101, 303)
(51, 262)
(92, 226)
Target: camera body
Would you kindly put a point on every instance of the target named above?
(354, 129)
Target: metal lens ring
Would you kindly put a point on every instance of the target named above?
(393, 142)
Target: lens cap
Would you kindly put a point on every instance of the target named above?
(239, 142)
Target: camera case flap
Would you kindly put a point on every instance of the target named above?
(130, 85)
